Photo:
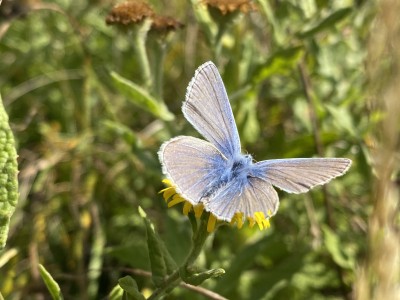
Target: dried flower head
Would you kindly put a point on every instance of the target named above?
(163, 24)
(129, 12)
(133, 12)
(230, 6)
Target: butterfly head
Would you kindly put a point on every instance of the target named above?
(240, 165)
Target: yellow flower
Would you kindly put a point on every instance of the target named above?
(172, 198)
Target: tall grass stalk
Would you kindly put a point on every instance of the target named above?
(379, 277)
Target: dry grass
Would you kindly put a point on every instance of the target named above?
(379, 278)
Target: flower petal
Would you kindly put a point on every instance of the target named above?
(187, 207)
(198, 210)
(212, 220)
(175, 200)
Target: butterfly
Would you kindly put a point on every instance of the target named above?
(215, 173)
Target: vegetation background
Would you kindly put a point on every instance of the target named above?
(305, 78)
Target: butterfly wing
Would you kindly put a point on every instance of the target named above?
(255, 193)
(299, 175)
(247, 195)
(207, 108)
(193, 165)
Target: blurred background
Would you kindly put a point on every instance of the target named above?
(93, 89)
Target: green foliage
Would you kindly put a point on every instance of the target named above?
(8, 175)
(51, 284)
(161, 261)
(128, 284)
(88, 121)
(199, 278)
(141, 98)
(328, 22)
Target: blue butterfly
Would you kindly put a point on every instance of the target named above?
(216, 174)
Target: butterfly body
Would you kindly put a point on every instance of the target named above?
(237, 170)
(216, 174)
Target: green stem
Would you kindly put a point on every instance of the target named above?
(87, 109)
(171, 281)
(199, 239)
(139, 38)
(175, 278)
(159, 57)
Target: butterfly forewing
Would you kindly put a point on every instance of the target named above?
(193, 165)
(207, 108)
(299, 175)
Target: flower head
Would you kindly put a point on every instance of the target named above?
(135, 12)
(164, 23)
(230, 6)
(172, 198)
(129, 12)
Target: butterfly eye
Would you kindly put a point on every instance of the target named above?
(248, 157)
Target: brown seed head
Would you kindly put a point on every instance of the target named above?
(129, 12)
(163, 23)
(230, 6)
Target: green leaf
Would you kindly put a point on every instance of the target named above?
(273, 19)
(178, 238)
(328, 22)
(51, 284)
(131, 291)
(304, 145)
(123, 253)
(247, 118)
(161, 261)
(141, 98)
(199, 278)
(243, 259)
(343, 118)
(116, 293)
(8, 175)
(121, 130)
(335, 248)
(170, 263)
(281, 62)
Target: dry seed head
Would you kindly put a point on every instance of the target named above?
(129, 12)
(230, 6)
(163, 23)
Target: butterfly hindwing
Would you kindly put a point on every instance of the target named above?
(247, 195)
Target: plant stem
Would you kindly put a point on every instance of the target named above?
(199, 238)
(139, 39)
(171, 281)
(159, 50)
